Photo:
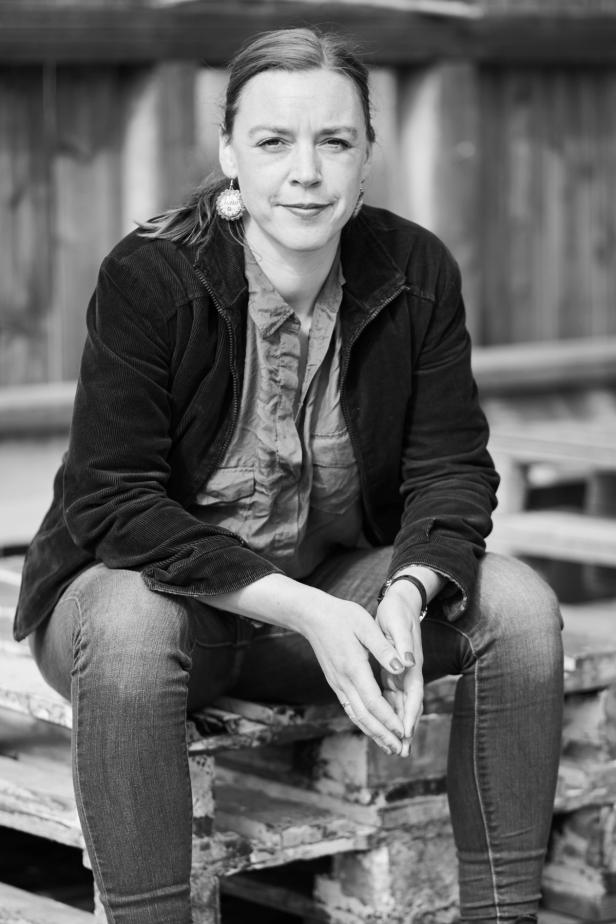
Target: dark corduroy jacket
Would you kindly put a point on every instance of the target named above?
(158, 397)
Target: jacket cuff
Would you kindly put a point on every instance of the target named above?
(232, 569)
(453, 561)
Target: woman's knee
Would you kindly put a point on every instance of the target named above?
(126, 637)
(522, 611)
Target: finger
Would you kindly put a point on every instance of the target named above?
(380, 737)
(378, 644)
(372, 709)
(399, 630)
(413, 701)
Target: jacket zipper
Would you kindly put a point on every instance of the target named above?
(345, 410)
(236, 396)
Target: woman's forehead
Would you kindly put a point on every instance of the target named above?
(318, 95)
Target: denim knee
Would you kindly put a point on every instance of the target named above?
(129, 642)
(519, 612)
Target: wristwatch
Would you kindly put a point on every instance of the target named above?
(416, 583)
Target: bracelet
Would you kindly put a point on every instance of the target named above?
(416, 583)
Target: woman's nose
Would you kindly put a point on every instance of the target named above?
(306, 168)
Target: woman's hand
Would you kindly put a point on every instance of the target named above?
(398, 619)
(342, 636)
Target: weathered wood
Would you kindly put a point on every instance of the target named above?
(580, 874)
(27, 410)
(437, 182)
(589, 639)
(36, 792)
(124, 32)
(27, 469)
(589, 729)
(278, 826)
(588, 444)
(556, 535)
(601, 501)
(19, 907)
(412, 877)
(352, 765)
(527, 367)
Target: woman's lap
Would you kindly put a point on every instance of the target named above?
(142, 658)
(130, 623)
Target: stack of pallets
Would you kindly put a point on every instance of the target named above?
(274, 785)
(580, 877)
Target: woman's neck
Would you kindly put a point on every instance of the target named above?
(297, 276)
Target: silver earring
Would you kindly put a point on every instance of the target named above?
(359, 203)
(229, 203)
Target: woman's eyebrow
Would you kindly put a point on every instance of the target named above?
(277, 130)
(268, 128)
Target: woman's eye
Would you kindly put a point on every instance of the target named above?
(337, 144)
(272, 144)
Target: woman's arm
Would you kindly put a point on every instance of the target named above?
(448, 478)
(342, 635)
(116, 503)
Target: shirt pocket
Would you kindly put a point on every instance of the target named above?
(228, 489)
(335, 479)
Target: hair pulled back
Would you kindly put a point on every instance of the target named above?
(284, 50)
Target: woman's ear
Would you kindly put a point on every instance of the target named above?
(226, 156)
(365, 173)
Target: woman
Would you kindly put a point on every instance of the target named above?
(275, 419)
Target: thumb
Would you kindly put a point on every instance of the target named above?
(381, 647)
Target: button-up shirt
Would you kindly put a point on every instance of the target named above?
(288, 483)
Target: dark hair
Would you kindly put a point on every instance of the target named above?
(284, 50)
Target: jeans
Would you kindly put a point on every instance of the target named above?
(133, 662)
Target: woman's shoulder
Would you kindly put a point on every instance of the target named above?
(420, 254)
(154, 264)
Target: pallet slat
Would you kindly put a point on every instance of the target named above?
(556, 534)
(19, 907)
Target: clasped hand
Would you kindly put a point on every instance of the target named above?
(343, 640)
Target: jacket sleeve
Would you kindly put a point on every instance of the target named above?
(116, 503)
(448, 478)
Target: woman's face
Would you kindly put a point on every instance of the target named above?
(299, 150)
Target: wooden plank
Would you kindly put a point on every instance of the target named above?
(27, 470)
(275, 824)
(36, 790)
(523, 367)
(25, 211)
(555, 534)
(578, 878)
(589, 639)
(19, 907)
(32, 31)
(91, 105)
(36, 409)
(592, 445)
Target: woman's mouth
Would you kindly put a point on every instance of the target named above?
(306, 209)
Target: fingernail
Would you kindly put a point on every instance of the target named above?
(409, 657)
(396, 665)
(387, 749)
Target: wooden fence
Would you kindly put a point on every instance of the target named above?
(512, 161)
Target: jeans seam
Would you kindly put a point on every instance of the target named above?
(77, 782)
(484, 819)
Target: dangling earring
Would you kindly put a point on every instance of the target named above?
(359, 203)
(229, 203)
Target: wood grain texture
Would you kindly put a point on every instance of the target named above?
(213, 31)
(19, 907)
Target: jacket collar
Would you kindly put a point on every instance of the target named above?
(372, 277)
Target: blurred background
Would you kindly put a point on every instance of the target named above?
(496, 128)
(496, 125)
